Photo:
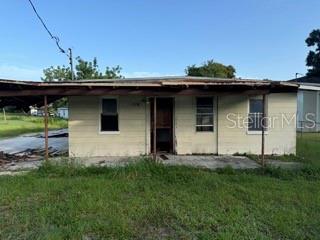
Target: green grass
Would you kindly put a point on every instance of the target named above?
(17, 124)
(152, 201)
(308, 148)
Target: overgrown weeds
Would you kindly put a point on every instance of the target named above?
(144, 168)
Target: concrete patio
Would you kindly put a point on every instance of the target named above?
(210, 161)
(197, 161)
(200, 161)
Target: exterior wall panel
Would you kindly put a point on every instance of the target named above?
(133, 139)
(188, 140)
(85, 139)
(279, 139)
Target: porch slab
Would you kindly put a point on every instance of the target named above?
(199, 161)
(210, 161)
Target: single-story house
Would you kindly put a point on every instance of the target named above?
(308, 100)
(178, 115)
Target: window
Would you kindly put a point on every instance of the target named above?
(204, 114)
(255, 115)
(109, 116)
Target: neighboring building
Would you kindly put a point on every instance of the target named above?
(33, 111)
(308, 101)
(36, 111)
(63, 112)
(178, 115)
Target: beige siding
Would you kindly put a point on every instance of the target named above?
(85, 138)
(188, 141)
(279, 139)
(134, 124)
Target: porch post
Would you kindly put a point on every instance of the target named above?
(263, 128)
(155, 128)
(46, 143)
(217, 124)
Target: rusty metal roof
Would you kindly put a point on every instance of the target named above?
(149, 82)
(26, 93)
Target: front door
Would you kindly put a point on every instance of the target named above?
(164, 125)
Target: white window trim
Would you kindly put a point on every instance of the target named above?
(99, 117)
(213, 115)
(255, 132)
(109, 132)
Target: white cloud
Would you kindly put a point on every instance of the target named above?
(20, 73)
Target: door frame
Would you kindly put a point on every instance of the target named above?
(173, 138)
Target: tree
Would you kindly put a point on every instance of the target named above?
(83, 70)
(313, 58)
(56, 74)
(211, 69)
(87, 70)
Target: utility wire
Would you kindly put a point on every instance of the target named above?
(55, 38)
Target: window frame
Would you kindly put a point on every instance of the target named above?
(213, 116)
(100, 112)
(257, 132)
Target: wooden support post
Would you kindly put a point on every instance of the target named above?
(263, 129)
(4, 115)
(154, 128)
(217, 124)
(46, 142)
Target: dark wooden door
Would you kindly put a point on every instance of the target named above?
(164, 125)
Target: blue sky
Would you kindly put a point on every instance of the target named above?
(261, 38)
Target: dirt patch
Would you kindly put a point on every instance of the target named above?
(11, 158)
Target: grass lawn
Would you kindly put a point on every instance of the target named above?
(17, 124)
(150, 201)
(308, 148)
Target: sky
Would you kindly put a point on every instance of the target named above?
(262, 39)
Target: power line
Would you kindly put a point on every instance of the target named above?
(55, 38)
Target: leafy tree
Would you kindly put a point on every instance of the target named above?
(313, 58)
(83, 70)
(211, 69)
(87, 69)
(56, 74)
(113, 72)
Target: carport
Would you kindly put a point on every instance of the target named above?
(23, 94)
